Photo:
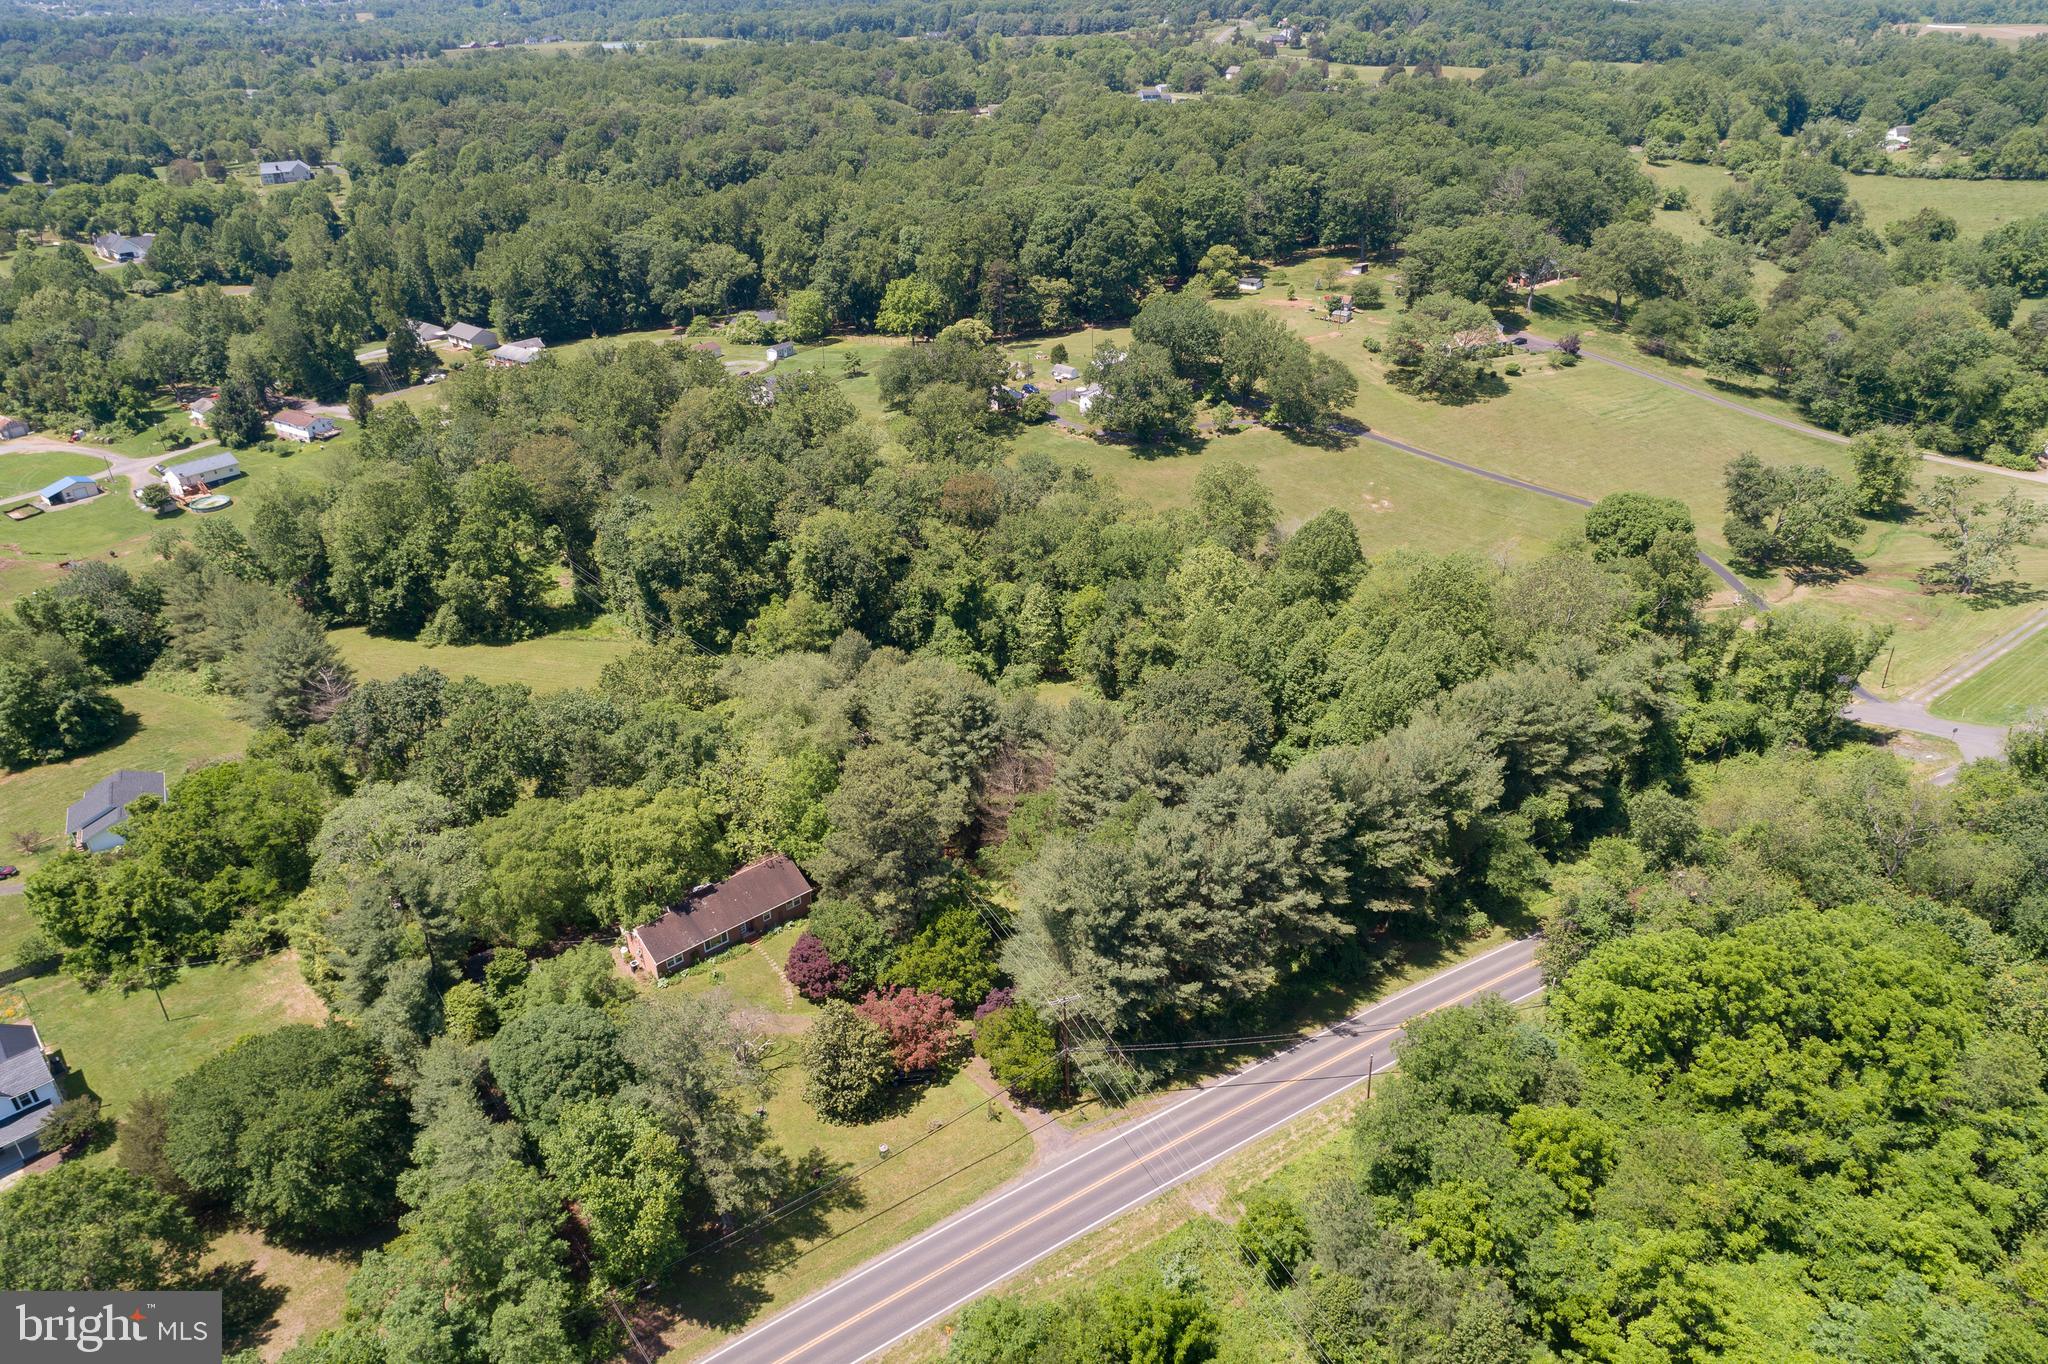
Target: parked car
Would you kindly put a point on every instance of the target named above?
(437, 376)
(8, 871)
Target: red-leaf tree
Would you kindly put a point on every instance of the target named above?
(922, 1028)
(811, 969)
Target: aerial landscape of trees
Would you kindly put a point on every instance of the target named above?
(1071, 769)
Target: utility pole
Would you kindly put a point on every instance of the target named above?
(1059, 1022)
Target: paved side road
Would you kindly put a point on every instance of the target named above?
(977, 1249)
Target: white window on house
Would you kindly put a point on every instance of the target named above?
(22, 1101)
(713, 944)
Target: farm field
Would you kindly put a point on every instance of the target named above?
(2004, 692)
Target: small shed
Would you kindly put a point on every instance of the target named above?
(10, 427)
(71, 488)
(1251, 284)
(781, 350)
(1065, 374)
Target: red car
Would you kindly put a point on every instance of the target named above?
(6, 872)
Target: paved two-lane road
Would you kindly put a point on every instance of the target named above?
(975, 1250)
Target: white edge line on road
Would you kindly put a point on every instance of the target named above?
(1139, 1126)
(1146, 1197)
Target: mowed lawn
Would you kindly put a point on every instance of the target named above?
(2004, 692)
(112, 526)
(33, 469)
(169, 732)
(555, 662)
(1587, 430)
(122, 1045)
(1978, 206)
(951, 1147)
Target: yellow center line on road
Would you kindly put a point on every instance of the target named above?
(1123, 1170)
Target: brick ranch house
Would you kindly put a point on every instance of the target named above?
(714, 916)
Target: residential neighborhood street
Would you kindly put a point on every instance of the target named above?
(975, 1250)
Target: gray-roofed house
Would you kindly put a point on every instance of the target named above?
(29, 1093)
(92, 819)
(1250, 284)
(197, 409)
(1153, 93)
(428, 332)
(1231, 73)
(70, 488)
(195, 475)
(10, 427)
(120, 249)
(1065, 374)
(712, 917)
(781, 350)
(463, 336)
(283, 172)
(519, 352)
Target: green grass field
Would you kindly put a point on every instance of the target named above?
(114, 526)
(122, 1045)
(1977, 205)
(32, 469)
(171, 732)
(2004, 692)
(567, 658)
(951, 1145)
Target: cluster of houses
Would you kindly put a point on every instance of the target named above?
(30, 1088)
(465, 336)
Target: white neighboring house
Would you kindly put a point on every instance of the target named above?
(1065, 374)
(120, 249)
(283, 172)
(1152, 94)
(196, 412)
(10, 427)
(781, 350)
(462, 336)
(28, 1094)
(92, 820)
(519, 352)
(1085, 399)
(1231, 73)
(292, 424)
(193, 476)
(1899, 138)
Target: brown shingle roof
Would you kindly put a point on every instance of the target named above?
(747, 894)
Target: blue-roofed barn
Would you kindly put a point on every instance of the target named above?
(70, 488)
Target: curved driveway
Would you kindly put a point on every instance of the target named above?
(973, 1251)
